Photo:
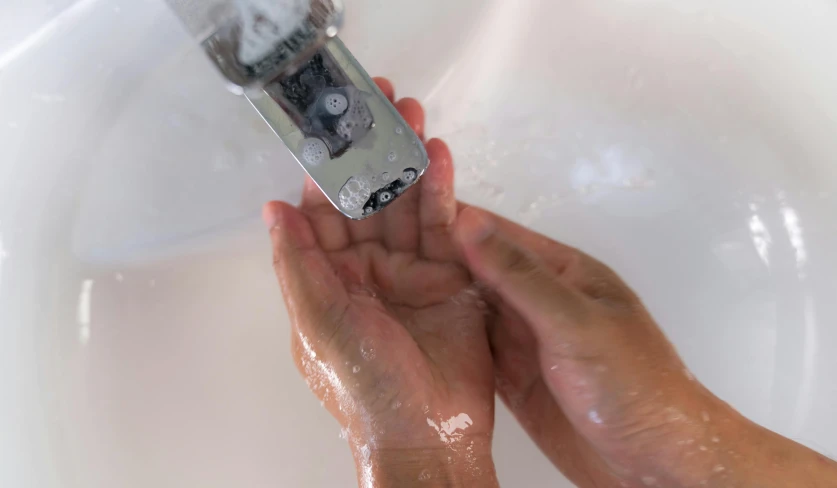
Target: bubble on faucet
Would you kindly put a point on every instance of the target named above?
(409, 175)
(355, 193)
(385, 197)
(336, 104)
(345, 128)
(314, 151)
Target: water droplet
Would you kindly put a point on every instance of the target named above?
(399, 130)
(424, 475)
(392, 156)
(118, 277)
(356, 369)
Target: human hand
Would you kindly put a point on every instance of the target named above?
(386, 331)
(592, 378)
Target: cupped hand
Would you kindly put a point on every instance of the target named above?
(386, 329)
(592, 378)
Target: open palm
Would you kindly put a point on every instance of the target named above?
(386, 330)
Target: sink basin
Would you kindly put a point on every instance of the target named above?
(689, 144)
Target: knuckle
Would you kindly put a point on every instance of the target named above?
(516, 261)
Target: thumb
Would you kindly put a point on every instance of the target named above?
(521, 278)
(315, 297)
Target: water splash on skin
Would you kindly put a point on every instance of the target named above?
(367, 349)
(321, 377)
(451, 430)
(367, 479)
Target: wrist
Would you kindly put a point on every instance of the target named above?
(738, 452)
(765, 459)
(465, 463)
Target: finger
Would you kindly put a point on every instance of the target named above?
(437, 204)
(577, 269)
(521, 278)
(315, 297)
(330, 226)
(400, 223)
(413, 113)
(386, 87)
(557, 256)
(401, 220)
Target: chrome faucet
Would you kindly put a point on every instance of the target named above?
(286, 58)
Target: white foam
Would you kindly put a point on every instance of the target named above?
(336, 104)
(355, 193)
(314, 151)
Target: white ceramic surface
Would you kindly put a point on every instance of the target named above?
(688, 143)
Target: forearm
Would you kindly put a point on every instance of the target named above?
(735, 452)
(461, 466)
(768, 460)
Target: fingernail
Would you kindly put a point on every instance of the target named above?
(272, 214)
(476, 226)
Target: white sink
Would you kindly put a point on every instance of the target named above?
(689, 144)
